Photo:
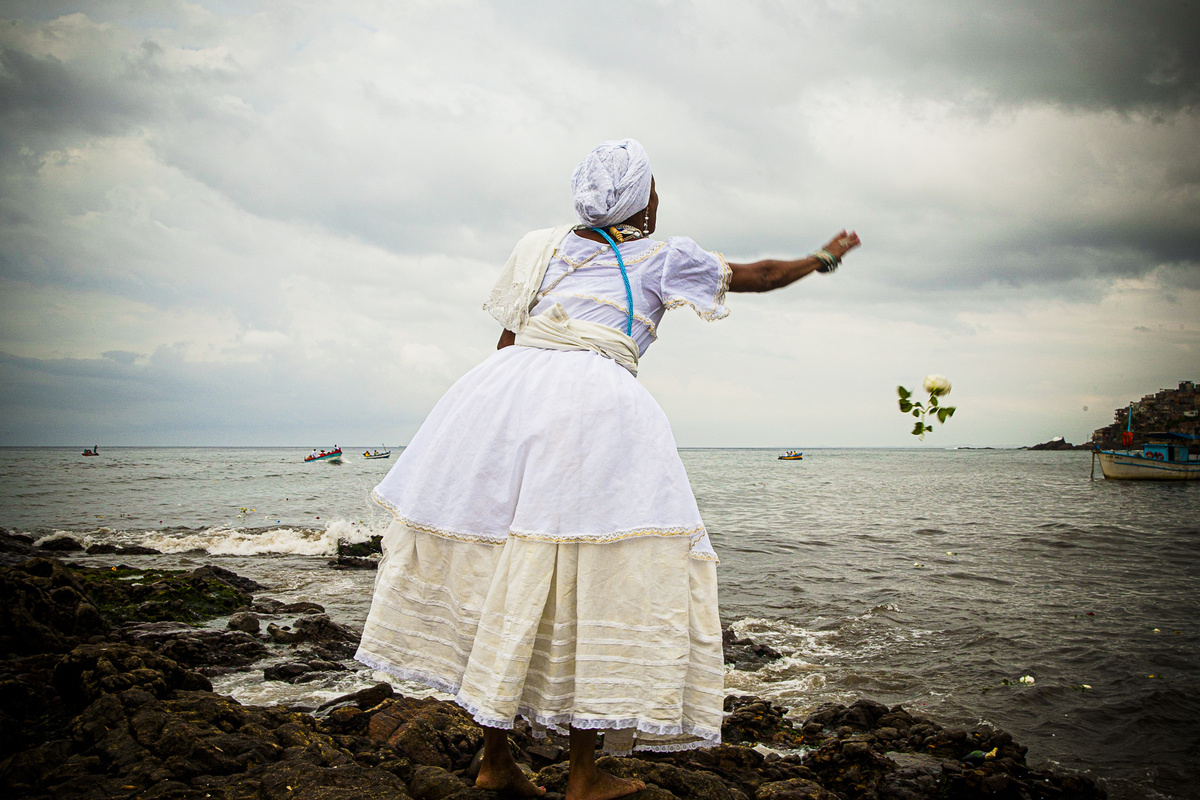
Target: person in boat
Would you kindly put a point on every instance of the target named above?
(547, 558)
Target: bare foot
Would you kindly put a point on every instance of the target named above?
(603, 786)
(508, 779)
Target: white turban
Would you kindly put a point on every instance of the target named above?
(612, 183)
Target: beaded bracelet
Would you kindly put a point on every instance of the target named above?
(829, 260)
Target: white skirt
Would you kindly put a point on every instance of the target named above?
(548, 559)
(545, 445)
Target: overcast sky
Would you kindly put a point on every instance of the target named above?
(274, 223)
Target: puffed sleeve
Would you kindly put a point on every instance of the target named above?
(695, 277)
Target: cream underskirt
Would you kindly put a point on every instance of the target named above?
(623, 636)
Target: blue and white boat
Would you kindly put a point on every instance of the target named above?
(1164, 457)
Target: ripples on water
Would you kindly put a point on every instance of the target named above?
(920, 577)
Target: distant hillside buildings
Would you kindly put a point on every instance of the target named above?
(1170, 410)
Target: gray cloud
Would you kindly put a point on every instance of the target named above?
(252, 199)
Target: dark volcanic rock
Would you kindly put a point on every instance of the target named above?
(44, 609)
(61, 544)
(350, 562)
(304, 664)
(125, 594)
(1058, 443)
(427, 731)
(228, 577)
(16, 548)
(363, 699)
(128, 719)
(105, 548)
(92, 670)
(269, 605)
(137, 550)
(213, 651)
(317, 628)
(746, 654)
(244, 621)
(755, 721)
(360, 549)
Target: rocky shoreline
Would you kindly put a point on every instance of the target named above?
(105, 692)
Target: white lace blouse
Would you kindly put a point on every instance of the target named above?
(584, 277)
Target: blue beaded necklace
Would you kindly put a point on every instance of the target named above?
(624, 277)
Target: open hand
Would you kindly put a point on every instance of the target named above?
(843, 243)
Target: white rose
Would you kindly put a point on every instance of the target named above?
(937, 385)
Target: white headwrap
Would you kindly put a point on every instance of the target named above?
(612, 183)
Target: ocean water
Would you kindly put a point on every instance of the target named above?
(938, 579)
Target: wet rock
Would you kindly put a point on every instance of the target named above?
(746, 654)
(360, 549)
(15, 548)
(351, 562)
(101, 549)
(268, 605)
(752, 720)
(427, 731)
(794, 789)
(44, 608)
(137, 550)
(125, 594)
(209, 572)
(61, 544)
(303, 781)
(92, 670)
(304, 666)
(320, 628)
(663, 780)
(284, 634)
(212, 651)
(363, 699)
(543, 755)
(434, 783)
(243, 621)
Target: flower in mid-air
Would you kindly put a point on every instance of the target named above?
(937, 385)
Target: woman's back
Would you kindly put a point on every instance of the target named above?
(584, 277)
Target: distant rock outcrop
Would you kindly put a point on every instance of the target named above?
(1058, 443)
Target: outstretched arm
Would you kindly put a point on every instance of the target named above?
(771, 273)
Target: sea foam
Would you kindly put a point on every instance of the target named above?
(233, 541)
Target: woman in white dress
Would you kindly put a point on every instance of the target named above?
(547, 558)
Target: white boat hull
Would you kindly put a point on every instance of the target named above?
(1135, 467)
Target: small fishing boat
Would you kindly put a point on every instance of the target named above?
(377, 454)
(333, 456)
(95, 451)
(1164, 457)
(792, 455)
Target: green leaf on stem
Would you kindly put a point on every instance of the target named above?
(904, 393)
(918, 429)
(905, 406)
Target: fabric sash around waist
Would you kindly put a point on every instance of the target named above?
(555, 330)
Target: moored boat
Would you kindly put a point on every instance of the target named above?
(333, 456)
(1164, 457)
